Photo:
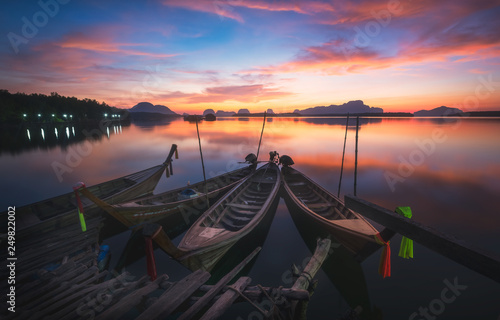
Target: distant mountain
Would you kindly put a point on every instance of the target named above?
(243, 111)
(356, 106)
(149, 107)
(221, 113)
(208, 111)
(438, 112)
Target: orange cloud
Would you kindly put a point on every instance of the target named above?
(104, 43)
(246, 93)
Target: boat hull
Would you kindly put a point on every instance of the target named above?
(50, 214)
(167, 210)
(355, 233)
(211, 236)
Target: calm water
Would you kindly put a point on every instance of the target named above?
(447, 171)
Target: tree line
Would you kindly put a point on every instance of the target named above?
(35, 107)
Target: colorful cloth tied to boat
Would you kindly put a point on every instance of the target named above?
(384, 267)
(80, 206)
(406, 248)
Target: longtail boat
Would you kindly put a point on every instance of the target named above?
(61, 210)
(174, 207)
(242, 211)
(307, 201)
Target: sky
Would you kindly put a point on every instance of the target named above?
(190, 55)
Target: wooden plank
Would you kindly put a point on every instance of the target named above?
(217, 287)
(172, 298)
(119, 309)
(314, 265)
(100, 300)
(485, 263)
(255, 293)
(52, 285)
(48, 304)
(226, 300)
(243, 206)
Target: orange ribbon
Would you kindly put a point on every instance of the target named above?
(384, 267)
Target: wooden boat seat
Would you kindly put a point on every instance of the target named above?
(319, 205)
(244, 213)
(310, 200)
(249, 196)
(228, 225)
(261, 180)
(295, 184)
(254, 202)
(243, 206)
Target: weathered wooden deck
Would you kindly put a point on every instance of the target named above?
(58, 278)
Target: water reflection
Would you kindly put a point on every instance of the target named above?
(14, 142)
(340, 121)
(454, 189)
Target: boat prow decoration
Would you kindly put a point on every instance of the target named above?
(155, 232)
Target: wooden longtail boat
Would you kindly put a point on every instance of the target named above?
(307, 201)
(174, 207)
(235, 216)
(57, 211)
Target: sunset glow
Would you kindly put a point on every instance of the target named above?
(190, 55)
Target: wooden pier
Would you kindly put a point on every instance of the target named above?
(59, 278)
(485, 263)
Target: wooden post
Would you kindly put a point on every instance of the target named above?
(202, 164)
(356, 157)
(343, 153)
(485, 263)
(261, 133)
(305, 278)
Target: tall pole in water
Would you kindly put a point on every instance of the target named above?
(202, 164)
(261, 133)
(356, 157)
(343, 153)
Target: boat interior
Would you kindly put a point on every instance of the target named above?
(242, 205)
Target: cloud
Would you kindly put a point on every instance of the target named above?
(469, 32)
(104, 42)
(244, 93)
(228, 8)
(220, 8)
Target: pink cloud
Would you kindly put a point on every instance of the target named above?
(228, 9)
(244, 93)
(105, 43)
(220, 8)
(457, 34)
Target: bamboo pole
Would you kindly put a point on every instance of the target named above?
(477, 259)
(356, 158)
(343, 154)
(202, 164)
(304, 281)
(261, 133)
